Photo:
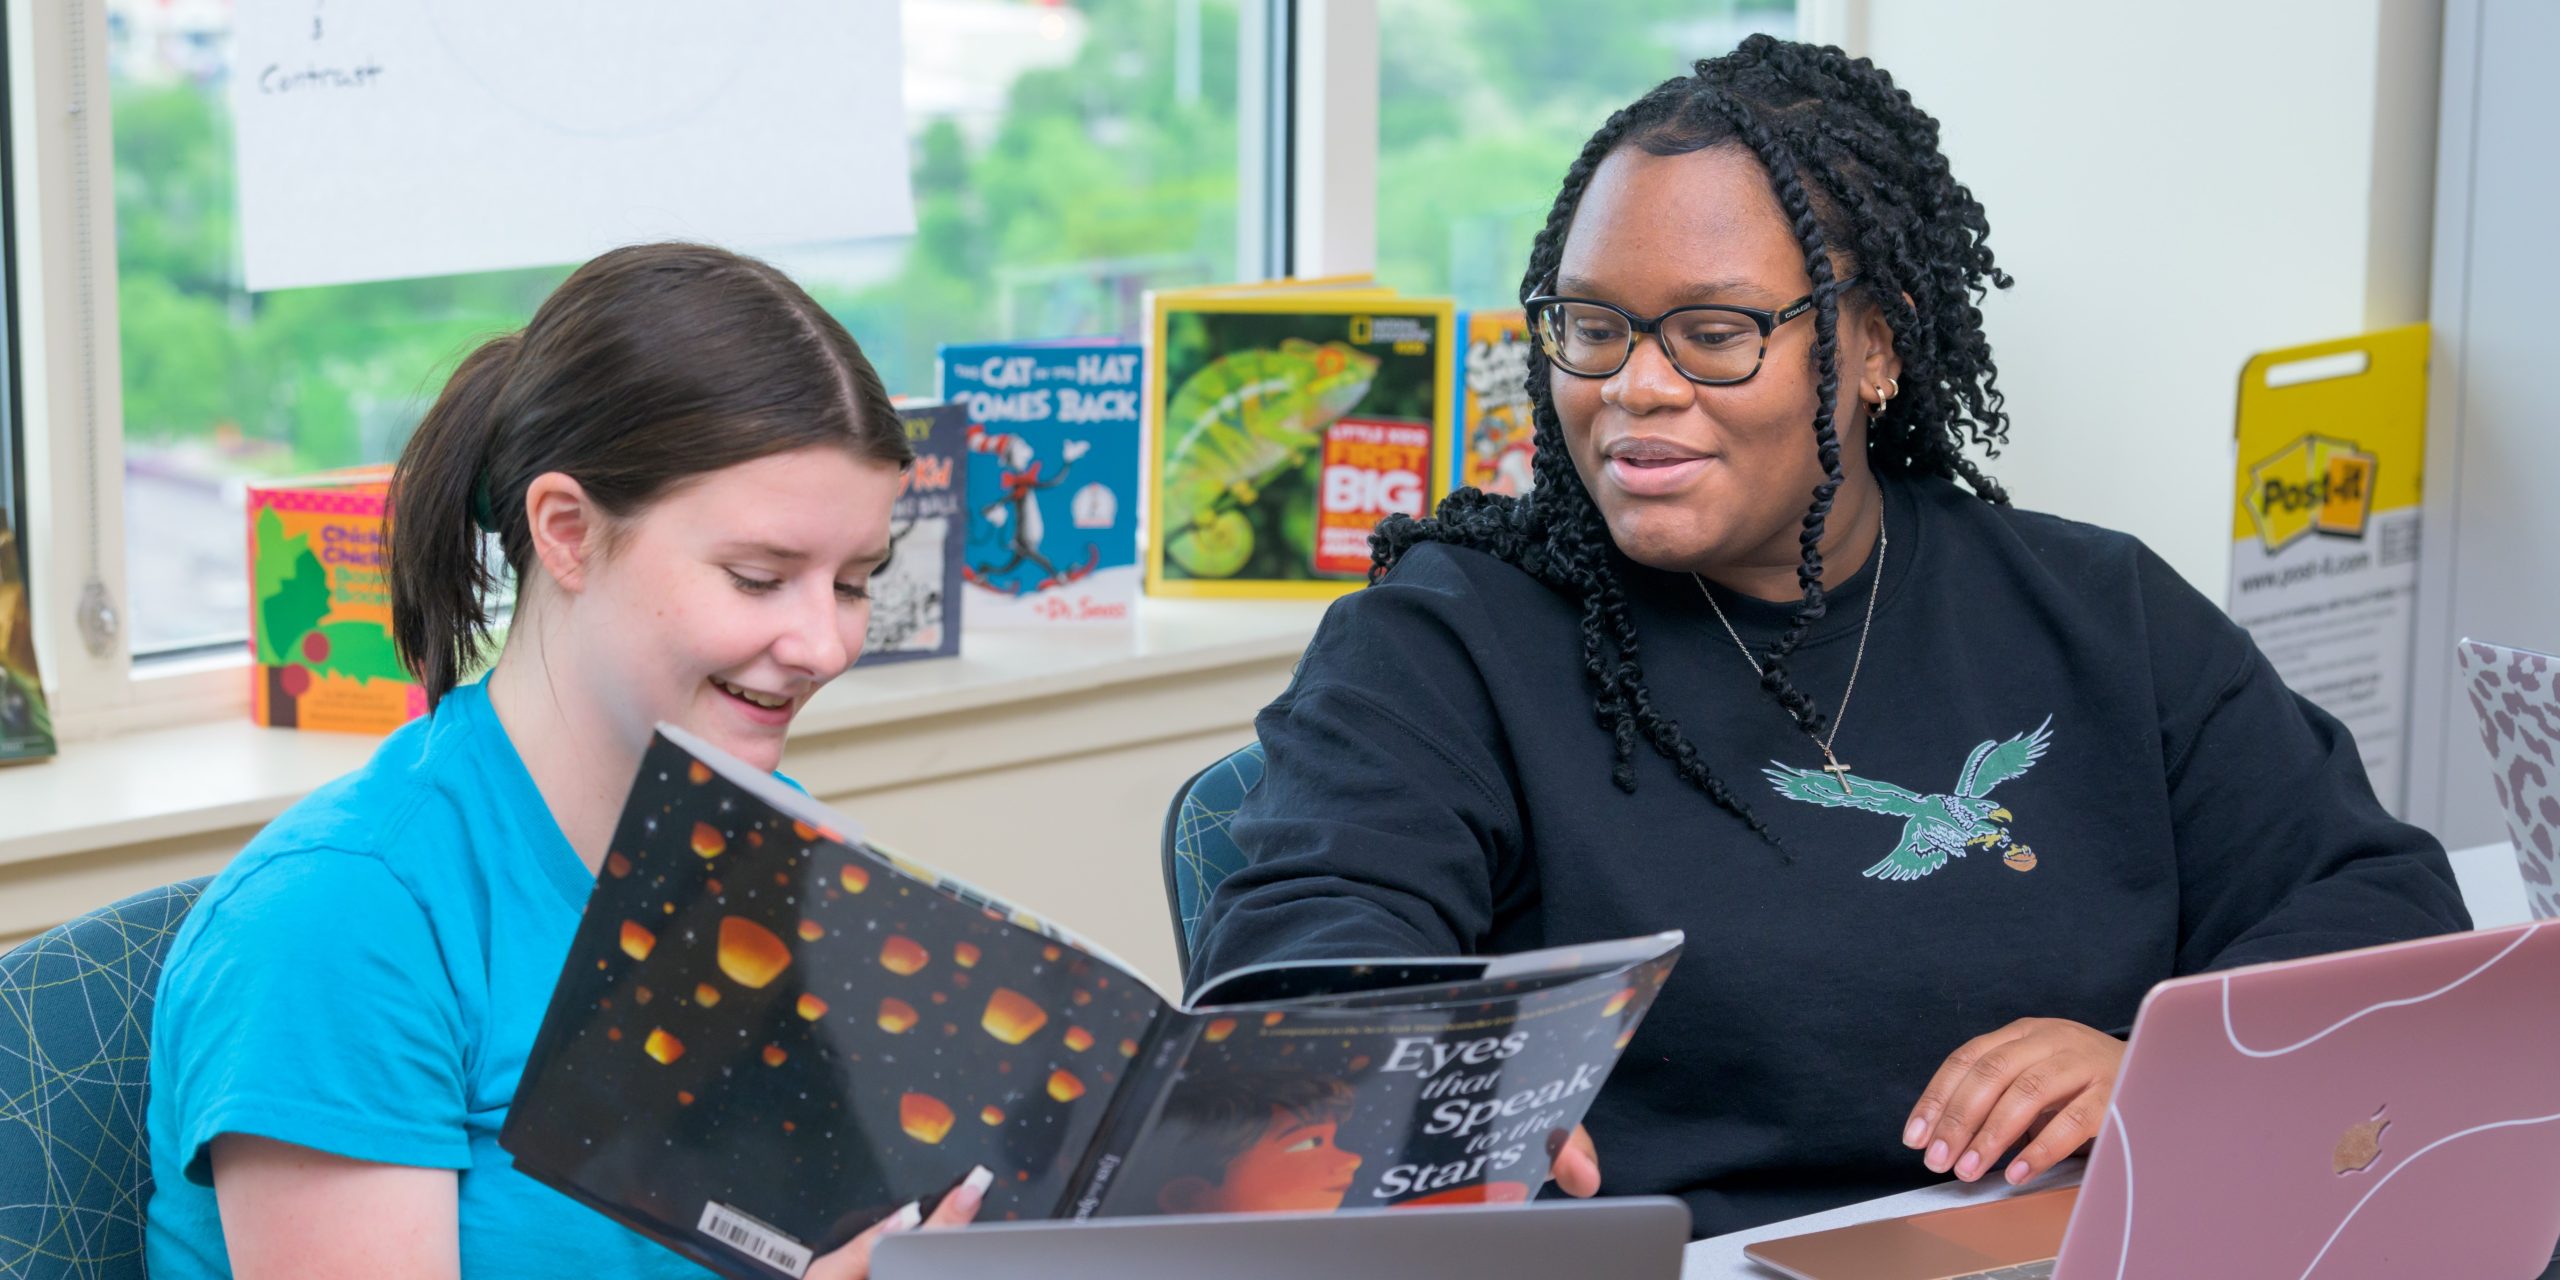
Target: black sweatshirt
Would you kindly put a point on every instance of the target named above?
(2150, 801)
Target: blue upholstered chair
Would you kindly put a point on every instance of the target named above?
(1198, 852)
(75, 1057)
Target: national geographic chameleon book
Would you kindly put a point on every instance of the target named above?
(320, 607)
(1282, 424)
(915, 598)
(770, 1034)
(1495, 443)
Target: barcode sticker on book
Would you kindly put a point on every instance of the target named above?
(753, 1238)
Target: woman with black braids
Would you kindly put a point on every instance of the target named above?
(1936, 787)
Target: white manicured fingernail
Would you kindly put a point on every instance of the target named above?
(908, 1218)
(979, 1180)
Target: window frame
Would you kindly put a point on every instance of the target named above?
(1307, 205)
(14, 464)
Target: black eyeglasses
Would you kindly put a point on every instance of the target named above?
(1713, 344)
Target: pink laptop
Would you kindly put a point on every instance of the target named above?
(2386, 1113)
(2516, 693)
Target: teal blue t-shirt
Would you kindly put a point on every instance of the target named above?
(366, 979)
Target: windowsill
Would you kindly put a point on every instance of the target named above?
(162, 784)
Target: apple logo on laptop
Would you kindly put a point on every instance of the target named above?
(2359, 1146)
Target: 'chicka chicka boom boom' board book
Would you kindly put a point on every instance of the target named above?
(771, 1034)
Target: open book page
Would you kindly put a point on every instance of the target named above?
(1045, 926)
(807, 809)
(1454, 1092)
(769, 1036)
(802, 807)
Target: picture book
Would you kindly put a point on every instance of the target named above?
(320, 607)
(915, 598)
(770, 1034)
(26, 726)
(1495, 438)
(1334, 287)
(1053, 479)
(1282, 426)
(26, 720)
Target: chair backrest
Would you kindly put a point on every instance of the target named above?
(1198, 851)
(75, 1059)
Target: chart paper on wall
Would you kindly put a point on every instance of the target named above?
(383, 139)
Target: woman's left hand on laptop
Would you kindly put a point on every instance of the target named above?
(2048, 1076)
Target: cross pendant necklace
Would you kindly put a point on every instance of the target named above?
(1875, 587)
(1836, 770)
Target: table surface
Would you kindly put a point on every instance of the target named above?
(1721, 1258)
(2491, 889)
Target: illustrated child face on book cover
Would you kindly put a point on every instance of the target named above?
(1257, 1141)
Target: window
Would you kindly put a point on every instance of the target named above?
(1067, 157)
(1468, 162)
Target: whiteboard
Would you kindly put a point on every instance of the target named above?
(383, 139)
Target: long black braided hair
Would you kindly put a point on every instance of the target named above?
(1857, 170)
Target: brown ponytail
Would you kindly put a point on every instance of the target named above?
(649, 366)
(439, 582)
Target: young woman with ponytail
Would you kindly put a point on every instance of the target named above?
(1936, 787)
(689, 467)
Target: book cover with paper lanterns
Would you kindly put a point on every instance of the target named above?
(770, 1035)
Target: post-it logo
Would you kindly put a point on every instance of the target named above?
(2314, 485)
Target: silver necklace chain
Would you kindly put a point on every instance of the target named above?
(1875, 587)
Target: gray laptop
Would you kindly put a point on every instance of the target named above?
(1634, 1238)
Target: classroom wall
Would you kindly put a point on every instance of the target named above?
(2491, 449)
(2176, 185)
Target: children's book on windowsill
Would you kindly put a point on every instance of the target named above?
(1496, 438)
(770, 1034)
(1283, 422)
(320, 606)
(915, 597)
(26, 727)
(1053, 480)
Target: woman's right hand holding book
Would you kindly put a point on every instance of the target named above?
(853, 1261)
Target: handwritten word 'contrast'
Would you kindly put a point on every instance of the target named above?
(275, 79)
